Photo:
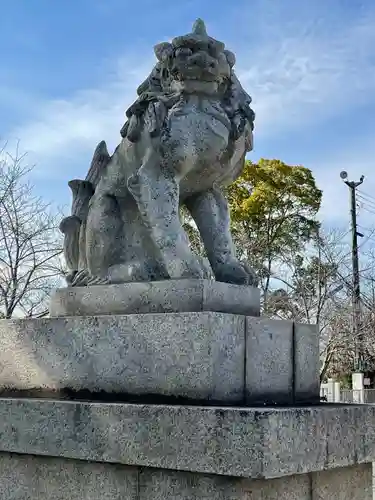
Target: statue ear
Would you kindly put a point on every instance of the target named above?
(163, 51)
(231, 58)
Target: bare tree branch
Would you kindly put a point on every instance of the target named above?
(30, 244)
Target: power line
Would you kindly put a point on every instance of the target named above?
(368, 238)
(368, 210)
(365, 201)
(360, 245)
(371, 229)
(363, 193)
(343, 236)
(366, 195)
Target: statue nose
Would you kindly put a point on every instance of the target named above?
(203, 60)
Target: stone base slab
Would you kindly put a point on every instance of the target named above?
(48, 478)
(156, 297)
(204, 356)
(254, 443)
(189, 355)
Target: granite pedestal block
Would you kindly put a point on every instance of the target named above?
(282, 361)
(34, 477)
(190, 355)
(76, 450)
(156, 297)
(204, 356)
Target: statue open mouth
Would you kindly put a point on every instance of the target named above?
(195, 57)
(196, 67)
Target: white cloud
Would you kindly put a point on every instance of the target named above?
(307, 78)
(335, 206)
(296, 75)
(65, 128)
(310, 75)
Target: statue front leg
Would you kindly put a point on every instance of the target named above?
(210, 211)
(156, 192)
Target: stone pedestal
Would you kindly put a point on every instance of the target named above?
(199, 355)
(26, 476)
(76, 450)
(168, 296)
(193, 402)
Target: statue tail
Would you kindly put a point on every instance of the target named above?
(99, 162)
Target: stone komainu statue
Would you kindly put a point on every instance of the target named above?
(185, 137)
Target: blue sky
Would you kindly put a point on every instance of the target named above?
(70, 69)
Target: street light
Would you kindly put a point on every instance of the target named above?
(356, 288)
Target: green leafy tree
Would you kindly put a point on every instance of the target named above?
(273, 209)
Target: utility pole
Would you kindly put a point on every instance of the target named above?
(356, 292)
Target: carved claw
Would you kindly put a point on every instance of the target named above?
(80, 278)
(253, 278)
(235, 272)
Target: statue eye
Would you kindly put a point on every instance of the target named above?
(212, 50)
(183, 52)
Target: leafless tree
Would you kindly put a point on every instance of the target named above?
(339, 342)
(314, 286)
(30, 245)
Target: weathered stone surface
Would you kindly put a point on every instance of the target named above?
(282, 362)
(341, 451)
(301, 436)
(365, 433)
(285, 488)
(193, 355)
(24, 477)
(156, 297)
(348, 483)
(41, 477)
(253, 442)
(205, 356)
(158, 484)
(269, 361)
(125, 224)
(306, 362)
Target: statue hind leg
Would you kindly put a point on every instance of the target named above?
(117, 246)
(103, 229)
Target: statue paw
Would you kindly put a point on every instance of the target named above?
(134, 271)
(235, 272)
(80, 278)
(177, 268)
